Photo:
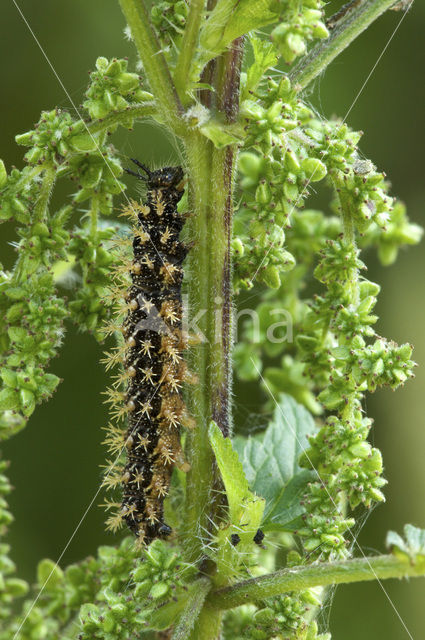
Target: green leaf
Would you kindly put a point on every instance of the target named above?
(9, 399)
(231, 470)
(163, 617)
(243, 504)
(245, 510)
(287, 509)
(17, 334)
(49, 575)
(270, 462)
(247, 16)
(265, 56)
(222, 135)
(412, 547)
(229, 20)
(3, 174)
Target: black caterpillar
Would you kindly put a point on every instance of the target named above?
(151, 359)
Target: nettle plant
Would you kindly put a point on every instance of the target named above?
(257, 529)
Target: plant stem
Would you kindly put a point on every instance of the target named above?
(345, 27)
(143, 110)
(94, 215)
(199, 592)
(28, 175)
(349, 229)
(223, 163)
(306, 577)
(208, 625)
(39, 213)
(210, 199)
(199, 453)
(182, 75)
(48, 181)
(154, 64)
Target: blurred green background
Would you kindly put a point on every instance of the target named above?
(55, 461)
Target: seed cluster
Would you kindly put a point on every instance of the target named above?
(151, 359)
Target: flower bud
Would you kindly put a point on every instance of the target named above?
(49, 574)
(250, 164)
(263, 193)
(238, 247)
(3, 174)
(314, 169)
(319, 30)
(270, 277)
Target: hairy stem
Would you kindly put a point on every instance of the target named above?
(48, 181)
(154, 64)
(306, 577)
(139, 111)
(40, 210)
(211, 174)
(199, 453)
(94, 215)
(28, 175)
(199, 592)
(207, 626)
(223, 164)
(345, 27)
(349, 229)
(182, 76)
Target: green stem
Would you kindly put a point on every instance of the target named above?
(182, 75)
(94, 215)
(154, 63)
(40, 211)
(137, 111)
(345, 27)
(347, 211)
(208, 625)
(210, 199)
(306, 577)
(200, 477)
(28, 175)
(48, 181)
(223, 164)
(199, 592)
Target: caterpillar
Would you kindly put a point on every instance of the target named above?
(147, 392)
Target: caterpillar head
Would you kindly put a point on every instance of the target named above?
(165, 178)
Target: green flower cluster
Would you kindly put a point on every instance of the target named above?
(44, 242)
(158, 578)
(336, 352)
(301, 22)
(30, 335)
(32, 311)
(340, 451)
(93, 598)
(161, 572)
(282, 313)
(55, 136)
(281, 618)
(10, 587)
(286, 149)
(344, 365)
(276, 169)
(98, 175)
(89, 308)
(18, 190)
(169, 19)
(64, 592)
(113, 88)
(397, 232)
